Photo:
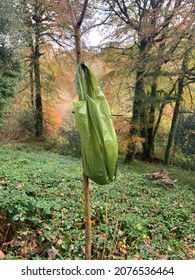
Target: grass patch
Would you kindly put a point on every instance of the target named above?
(41, 210)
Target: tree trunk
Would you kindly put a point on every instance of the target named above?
(174, 119)
(31, 76)
(134, 130)
(159, 118)
(148, 145)
(38, 97)
(176, 109)
(77, 35)
(139, 95)
(143, 133)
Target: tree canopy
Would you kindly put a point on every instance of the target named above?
(145, 61)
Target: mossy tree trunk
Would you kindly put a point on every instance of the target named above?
(37, 77)
(138, 100)
(181, 81)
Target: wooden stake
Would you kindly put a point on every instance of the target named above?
(77, 34)
(87, 217)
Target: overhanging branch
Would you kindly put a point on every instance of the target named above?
(79, 23)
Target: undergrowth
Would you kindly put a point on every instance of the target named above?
(41, 210)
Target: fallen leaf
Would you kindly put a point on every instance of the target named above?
(169, 249)
(83, 249)
(93, 223)
(137, 257)
(136, 209)
(52, 253)
(71, 248)
(123, 251)
(39, 232)
(59, 241)
(111, 257)
(103, 236)
(121, 233)
(2, 255)
(163, 257)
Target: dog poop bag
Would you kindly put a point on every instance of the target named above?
(95, 127)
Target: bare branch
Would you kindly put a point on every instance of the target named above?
(79, 23)
(95, 25)
(72, 14)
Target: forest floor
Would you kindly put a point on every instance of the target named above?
(41, 209)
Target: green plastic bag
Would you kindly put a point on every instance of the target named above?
(95, 127)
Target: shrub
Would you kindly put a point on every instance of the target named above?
(72, 146)
(185, 134)
(185, 140)
(26, 120)
(54, 143)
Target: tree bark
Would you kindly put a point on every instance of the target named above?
(31, 76)
(174, 119)
(136, 116)
(176, 109)
(138, 99)
(159, 119)
(77, 35)
(148, 145)
(38, 97)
